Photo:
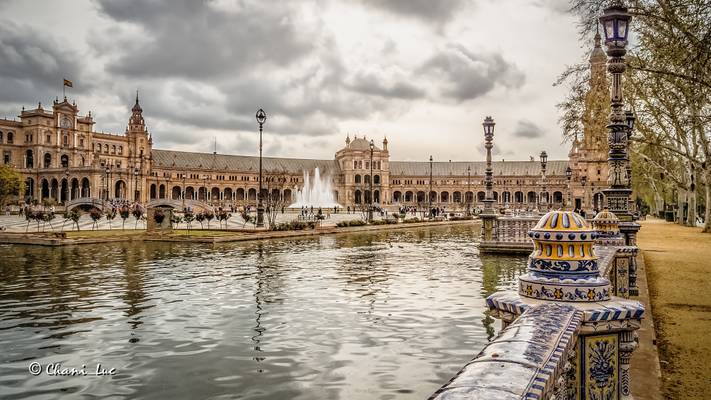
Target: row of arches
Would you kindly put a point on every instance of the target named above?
(64, 161)
(215, 194)
(10, 137)
(530, 197)
(366, 179)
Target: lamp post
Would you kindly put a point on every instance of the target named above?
(185, 173)
(544, 199)
(370, 183)
(615, 21)
(629, 120)
(66, 174)
(429, 195)
(108, 178)
(135, 184)
(261, 118)
(584, 181)
(469, 188)
(568, 175)
(488, 215)
(204, 188)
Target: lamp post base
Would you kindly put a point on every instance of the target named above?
(260, 216)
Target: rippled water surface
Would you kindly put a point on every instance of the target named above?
(373, 316)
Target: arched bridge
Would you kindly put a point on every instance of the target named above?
(87, 201)
(179, 204)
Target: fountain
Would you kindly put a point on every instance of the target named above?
(316, 192)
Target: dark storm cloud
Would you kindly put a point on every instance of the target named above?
(527, 129)
(437, 11)
(32, 65)
(464, 75)
(378, 86)
(202, 40)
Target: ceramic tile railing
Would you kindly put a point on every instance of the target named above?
(525, 361)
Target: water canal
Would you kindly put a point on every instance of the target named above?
(388, 315)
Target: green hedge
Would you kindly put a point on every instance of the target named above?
(294, 226)
(353, 222)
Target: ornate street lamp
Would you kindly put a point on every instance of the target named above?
(135, 184)
(584, 181)
(568, 174)
(488, 215)
(615, 21)
(629, 120)
(66, 174)
(108, 171)
(469, 189)
(429, 195)
(261, 119)
(370, 183)
(544, 193)
(488, 137)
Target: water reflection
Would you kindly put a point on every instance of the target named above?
(384, 315)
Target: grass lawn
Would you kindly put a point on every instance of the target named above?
(678, 261)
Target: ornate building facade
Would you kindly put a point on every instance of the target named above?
(63, 158)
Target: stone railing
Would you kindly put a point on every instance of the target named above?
(569, 330)
(510, 233)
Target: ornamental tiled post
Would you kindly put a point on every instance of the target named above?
(563, 269)
(488, 215)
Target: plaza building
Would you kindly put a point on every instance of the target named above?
(63, 158)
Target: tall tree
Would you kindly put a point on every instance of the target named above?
(11, 184)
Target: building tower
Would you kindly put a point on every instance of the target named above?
(591, 151)
(139, 150)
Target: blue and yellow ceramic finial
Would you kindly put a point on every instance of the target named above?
(607, 228)
(563, 265)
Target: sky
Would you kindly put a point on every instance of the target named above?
(423, 73)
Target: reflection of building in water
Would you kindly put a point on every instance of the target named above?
(499, 272)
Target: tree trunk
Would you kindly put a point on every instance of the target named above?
(707, 219)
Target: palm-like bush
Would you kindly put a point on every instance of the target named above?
(95, 215)
(188, 217)
(110, 215)
(124, 212)
(209, 216)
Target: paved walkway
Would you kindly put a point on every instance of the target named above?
(678, 261)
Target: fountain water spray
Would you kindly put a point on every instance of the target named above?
(315, 193)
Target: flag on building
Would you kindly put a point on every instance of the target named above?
(69, 83)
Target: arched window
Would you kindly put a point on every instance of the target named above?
(65, 161)
(357, 178)
(47, 160)
(376, 179)
(113, 149)
(0, 136)
(29, 159)
(120, 150)
(66, 140)
(106, 148)
(9, 138)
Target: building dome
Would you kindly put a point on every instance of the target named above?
(563, 265)
(361, 144)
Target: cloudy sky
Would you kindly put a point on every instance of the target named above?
(425, 73)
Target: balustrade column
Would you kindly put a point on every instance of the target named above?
(628, 343)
